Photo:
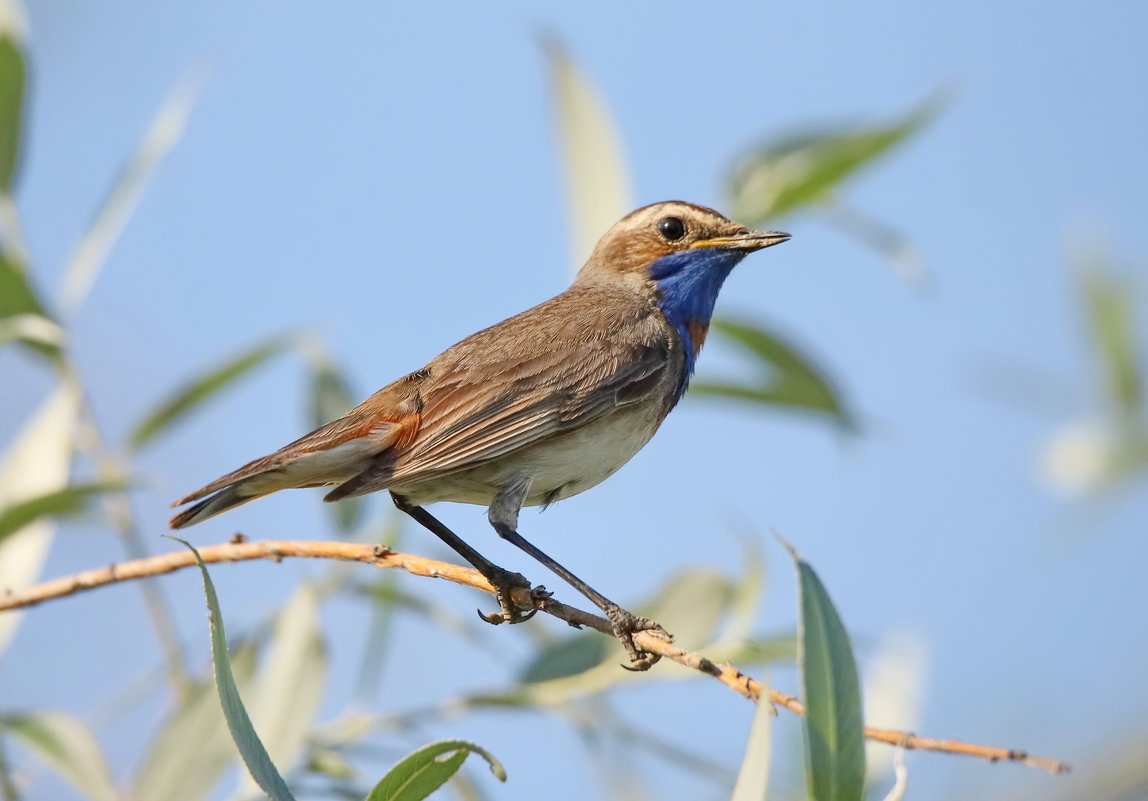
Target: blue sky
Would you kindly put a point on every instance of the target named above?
(385, 176)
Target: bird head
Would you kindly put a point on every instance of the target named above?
(683, 254)
(667, 238)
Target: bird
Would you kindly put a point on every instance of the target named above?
(532, 410)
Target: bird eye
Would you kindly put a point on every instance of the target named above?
(672, 228)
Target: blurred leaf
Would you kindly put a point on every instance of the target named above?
(901, 785)
(202, 389)
(785, 175)
(290, 683)
(20, 307)
(753, 778)
(892, 696)
(327, 762)
(745, 594)
(238, 722)
(779, 648)
(66, 502)
(790, 380)
(331, 397)
(123, 196)
(68, 746)
(34, 329)
(1109, 304)
(16, 293)
(689, 604)
(567, 656)
(421, 772)
(37, 463)
(833, 725)
(192, 749)
(13, 79)
(597, 177)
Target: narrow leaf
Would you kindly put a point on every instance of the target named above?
(833, 725)
(68, 747)
(172, 770)
(123, 196)
(597, 177)
(290, 682)
(800, 170)
(787, 378)
(422, 772)
(202, 389)
(37, 463)
(331, 397)
(242, 732)
(12, 83)
(66, 502)
(753, 778)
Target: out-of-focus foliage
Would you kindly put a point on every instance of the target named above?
(597, 176)
(1109, 446)
(203, 388)
(790, 173)
(787, 378)
(281, 666)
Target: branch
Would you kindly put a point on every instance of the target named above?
(379, 555)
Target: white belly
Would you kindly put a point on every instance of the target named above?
(559, 467)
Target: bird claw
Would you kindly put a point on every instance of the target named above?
(626, 626)
(504, 583)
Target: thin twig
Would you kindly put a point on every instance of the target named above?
(381, 556)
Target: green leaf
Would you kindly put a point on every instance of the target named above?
(782, 176)
(172, 770)
(290, 682)
(124, 194)
(833, 724)
(422, 772)
(788, 378)
(331, 397)
(66, 502)
(36, 464)
(20, 306)
(13, 79)
(597, 177)
(16, 293)
(238, 722)
(1111, 316)
(68, 746)
(202, 389)
(753, 778)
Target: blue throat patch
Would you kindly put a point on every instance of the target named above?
(689, 281)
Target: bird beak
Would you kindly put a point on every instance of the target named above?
(748, 241)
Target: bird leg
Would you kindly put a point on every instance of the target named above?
(503, 580)
(503, 515)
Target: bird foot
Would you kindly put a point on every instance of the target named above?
(626, 626)
(504, 583)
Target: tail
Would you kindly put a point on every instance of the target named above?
(338, 451)
(220, 502)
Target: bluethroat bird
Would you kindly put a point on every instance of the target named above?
(534, 409)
